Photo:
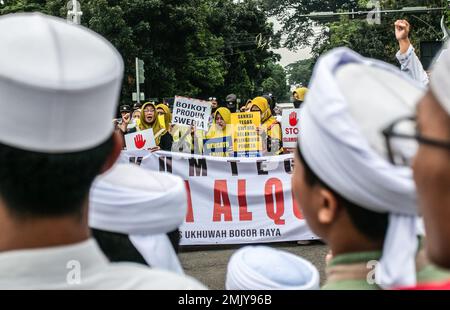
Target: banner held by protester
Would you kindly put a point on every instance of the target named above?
(232, 201)
(191, 112)
(218, 146)
(246, 141)
(141, 140)
(290, 121)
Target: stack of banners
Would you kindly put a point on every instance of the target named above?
(246, 141)
(219, 147)
(290, 121)
(231, 200)
(191, 112)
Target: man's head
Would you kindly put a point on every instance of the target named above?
(41, 185)
(51, 160)
(214, 103)
(231, 101)
(432, 162)
(329, 215)
(125, 110)
(343, 180)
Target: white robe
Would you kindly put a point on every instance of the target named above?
(82, 266)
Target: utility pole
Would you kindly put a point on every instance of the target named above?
(74, 12)
(140, 78)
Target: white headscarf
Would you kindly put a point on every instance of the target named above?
(351, 100)
(440, 78)
(265, 268)
(144, 205)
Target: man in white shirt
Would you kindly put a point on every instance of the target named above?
(52, 76)
(409, 62)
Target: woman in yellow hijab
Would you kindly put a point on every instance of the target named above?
(149, 119)
(164, 111)
(270, 127)
(220, 128)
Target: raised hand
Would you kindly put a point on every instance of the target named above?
(402, 29)
(293, 120)
(139, 141)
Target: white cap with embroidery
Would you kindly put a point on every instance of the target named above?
(59, 84)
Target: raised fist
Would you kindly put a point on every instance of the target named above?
(293, 120)
(402, 28)
(139, 141)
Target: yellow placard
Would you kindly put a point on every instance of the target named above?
(245, 137)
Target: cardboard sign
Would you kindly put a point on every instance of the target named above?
(219, 147)
(191, 112)
(290, 123)
(141, 140)
(246, 141)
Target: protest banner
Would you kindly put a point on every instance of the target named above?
(290, 121)
(140, 140)
(218, 146)
(232, 200)
(191, 112)
(246, 141)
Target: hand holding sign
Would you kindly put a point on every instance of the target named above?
(293, 120)
(139, 141)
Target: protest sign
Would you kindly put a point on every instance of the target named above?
(246, 141)
(290, 123)
(218, 146)
(141, 140)
(232, 201)
(191, 112)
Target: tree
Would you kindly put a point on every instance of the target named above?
(300, 72)
(348, 31)
(196, 48)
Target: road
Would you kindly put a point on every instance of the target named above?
(208, 264)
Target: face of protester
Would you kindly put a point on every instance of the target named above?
(432, 176)
(220, 121)
(136, 114)
(160, 111)
(318, 205)
(149, 114)
(214, 104)
(256, 109)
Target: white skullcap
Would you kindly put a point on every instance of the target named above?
(351, 100)
(265, 268)
(144, 205)
(440, 78)
(131, 200)
(60, 82)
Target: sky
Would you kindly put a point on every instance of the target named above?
(287, 56)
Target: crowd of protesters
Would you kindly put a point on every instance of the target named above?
(189, 139)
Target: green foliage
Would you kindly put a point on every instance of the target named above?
(300, 72)
(376, 41)
(197, 48)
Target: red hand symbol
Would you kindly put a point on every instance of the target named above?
(293, 120)
(139, 141)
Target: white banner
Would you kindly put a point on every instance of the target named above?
(290, 127)
(191, 112)
(232, 200)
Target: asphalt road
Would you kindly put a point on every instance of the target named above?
(209, 264)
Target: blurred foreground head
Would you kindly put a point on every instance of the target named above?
(432, 163)
(351, 194)
(52, 76)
